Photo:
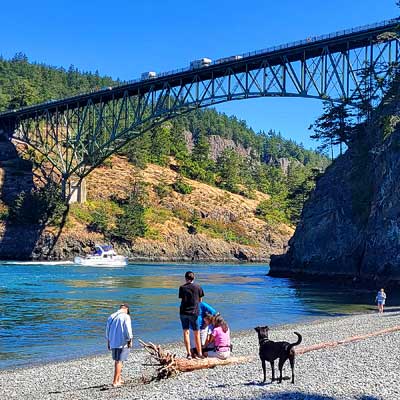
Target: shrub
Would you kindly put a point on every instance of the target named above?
(269, 211)
(107, 163)
(157, 215)
(100, 221)
(163, 190)
(39, 206)
(182, 213)
(131, 223)
(182, 187)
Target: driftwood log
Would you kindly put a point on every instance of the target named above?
(168, 364)
(324, 345)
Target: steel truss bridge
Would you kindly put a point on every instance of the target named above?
(78, 133)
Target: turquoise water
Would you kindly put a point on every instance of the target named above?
(53, 312)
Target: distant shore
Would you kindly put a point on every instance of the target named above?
(364, 368)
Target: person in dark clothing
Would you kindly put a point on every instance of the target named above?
(191, 294)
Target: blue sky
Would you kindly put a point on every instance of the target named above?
(124, 38)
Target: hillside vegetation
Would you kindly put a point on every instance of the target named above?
(203, 153)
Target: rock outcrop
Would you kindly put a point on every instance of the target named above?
(218, 144)
(350, 226)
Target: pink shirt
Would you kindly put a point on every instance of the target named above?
(222, 339)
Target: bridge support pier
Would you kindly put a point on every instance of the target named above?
(77, 191)
(73, 190)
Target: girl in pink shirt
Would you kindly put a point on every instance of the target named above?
(220, 337)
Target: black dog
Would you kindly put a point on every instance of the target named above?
(270, 351)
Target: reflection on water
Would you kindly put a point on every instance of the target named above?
(54, 311)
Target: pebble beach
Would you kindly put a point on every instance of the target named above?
(367, 369)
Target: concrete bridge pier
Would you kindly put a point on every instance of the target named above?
(74, 190)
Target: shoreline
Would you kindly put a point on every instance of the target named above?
(304, 320)
(344, 372)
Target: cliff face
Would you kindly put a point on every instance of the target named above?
(217, 145)
(350, 226)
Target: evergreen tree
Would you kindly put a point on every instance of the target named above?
(161, 144)
(201, 150)
(334, 126)
(131, 223)
(229, 166)
(23, 94)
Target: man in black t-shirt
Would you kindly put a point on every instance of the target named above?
(191, 295)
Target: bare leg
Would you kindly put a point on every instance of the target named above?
(186, 340)
(197, 341)
(117, 373)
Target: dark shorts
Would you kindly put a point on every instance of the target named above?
(189, 321)
(120, 354)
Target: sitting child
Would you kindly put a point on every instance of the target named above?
(219, 338)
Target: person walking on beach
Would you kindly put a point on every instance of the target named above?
(381, 299)
(119, 339)
(191, 295)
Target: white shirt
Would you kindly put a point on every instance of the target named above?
(119, 329)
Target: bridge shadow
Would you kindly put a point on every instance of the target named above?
(19, 237)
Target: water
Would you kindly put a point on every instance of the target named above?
(53, 312)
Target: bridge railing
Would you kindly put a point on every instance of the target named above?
(324, 37)
(284, 46)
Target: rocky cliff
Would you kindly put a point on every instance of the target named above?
(350, 226)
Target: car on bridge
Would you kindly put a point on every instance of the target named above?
(227, 59)
(202, 62)
(148, 75)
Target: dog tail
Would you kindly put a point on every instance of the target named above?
(299, 339)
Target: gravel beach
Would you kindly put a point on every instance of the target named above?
(364, 370)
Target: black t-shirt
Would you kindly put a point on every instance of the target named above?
(190, 293)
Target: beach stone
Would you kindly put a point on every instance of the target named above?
(366, 369)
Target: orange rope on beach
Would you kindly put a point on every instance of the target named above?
(324, 345)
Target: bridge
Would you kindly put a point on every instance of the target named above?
(76, 134)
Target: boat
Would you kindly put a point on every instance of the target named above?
(103, 256)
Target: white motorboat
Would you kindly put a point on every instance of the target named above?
(103, 256)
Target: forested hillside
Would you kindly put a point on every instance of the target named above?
(245, 162)
(23, 83)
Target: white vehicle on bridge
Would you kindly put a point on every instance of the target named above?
(148, 75)
(227, 59)
(202, 62)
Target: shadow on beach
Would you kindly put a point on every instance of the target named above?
(296, 395)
